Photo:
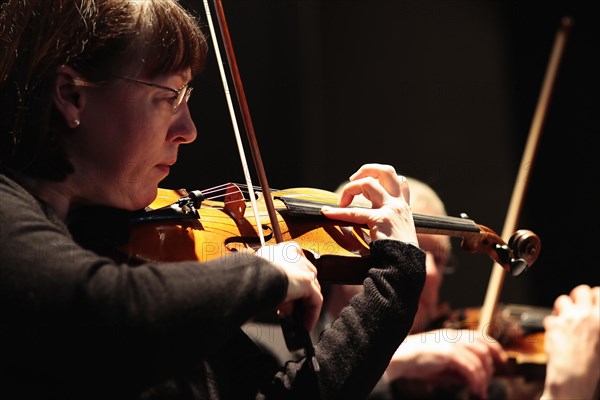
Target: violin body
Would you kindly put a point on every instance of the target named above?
(520, 331)
(518, 328)
(229, 227)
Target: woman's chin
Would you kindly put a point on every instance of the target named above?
(149, 198)
(142, 198)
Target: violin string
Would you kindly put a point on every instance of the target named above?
(221, 191)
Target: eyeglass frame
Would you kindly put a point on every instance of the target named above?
(183, 93)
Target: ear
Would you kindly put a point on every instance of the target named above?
(69, 97)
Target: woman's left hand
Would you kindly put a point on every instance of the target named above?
(390, 216)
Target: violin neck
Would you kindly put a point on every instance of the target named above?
(444, 225)
(436, 225)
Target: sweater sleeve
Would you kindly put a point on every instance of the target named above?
(357, 347)
(53, 292)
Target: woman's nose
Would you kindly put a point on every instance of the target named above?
(184, 129)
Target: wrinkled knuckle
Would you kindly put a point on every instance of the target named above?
(389, 169)
(368, 181)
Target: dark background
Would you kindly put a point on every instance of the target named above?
(443, 90)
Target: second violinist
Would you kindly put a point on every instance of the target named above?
(437, 361)
(432, 362)
(94, 102)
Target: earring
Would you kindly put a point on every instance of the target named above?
(76, 123)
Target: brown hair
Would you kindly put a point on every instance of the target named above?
(98, 38)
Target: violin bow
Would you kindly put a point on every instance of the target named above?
(518, 194)
(249, 127)
(296, 337)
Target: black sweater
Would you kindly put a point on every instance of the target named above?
(76, 325)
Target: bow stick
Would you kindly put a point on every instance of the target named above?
(241, 96)
(248, 124)
(516, 201)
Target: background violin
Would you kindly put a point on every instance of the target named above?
(519, 328)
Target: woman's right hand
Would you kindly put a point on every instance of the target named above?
(303, 286)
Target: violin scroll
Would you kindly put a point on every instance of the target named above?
(521, 252)
(517, 256)
(525, 245)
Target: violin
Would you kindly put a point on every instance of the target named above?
(518, 328)
(180, 225)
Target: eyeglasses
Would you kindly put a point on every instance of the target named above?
(181, 94)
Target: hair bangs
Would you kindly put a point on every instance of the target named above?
(169, 39)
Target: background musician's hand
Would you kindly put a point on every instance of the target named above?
(303, 285)
(448, 356)
(572, 341)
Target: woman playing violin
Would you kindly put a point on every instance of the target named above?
(94, 108)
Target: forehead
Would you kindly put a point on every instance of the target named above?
(137, 72)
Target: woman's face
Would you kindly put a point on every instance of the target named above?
(127, 140)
